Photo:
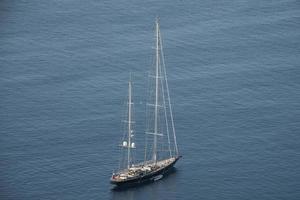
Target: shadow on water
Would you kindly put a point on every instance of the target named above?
(167, 175)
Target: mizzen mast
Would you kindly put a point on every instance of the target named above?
(129, 123)
(128, 144)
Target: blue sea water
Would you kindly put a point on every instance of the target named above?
(234, 79)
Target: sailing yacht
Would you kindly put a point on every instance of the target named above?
(161, 151)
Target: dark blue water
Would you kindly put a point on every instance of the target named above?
(234, 79)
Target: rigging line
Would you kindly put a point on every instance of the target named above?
(147, 122)
(165, 112)
(168, 95)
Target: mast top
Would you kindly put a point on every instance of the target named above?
(157, 20)
(130, 75)
(157, 23)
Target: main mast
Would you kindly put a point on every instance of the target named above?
(156, 94)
